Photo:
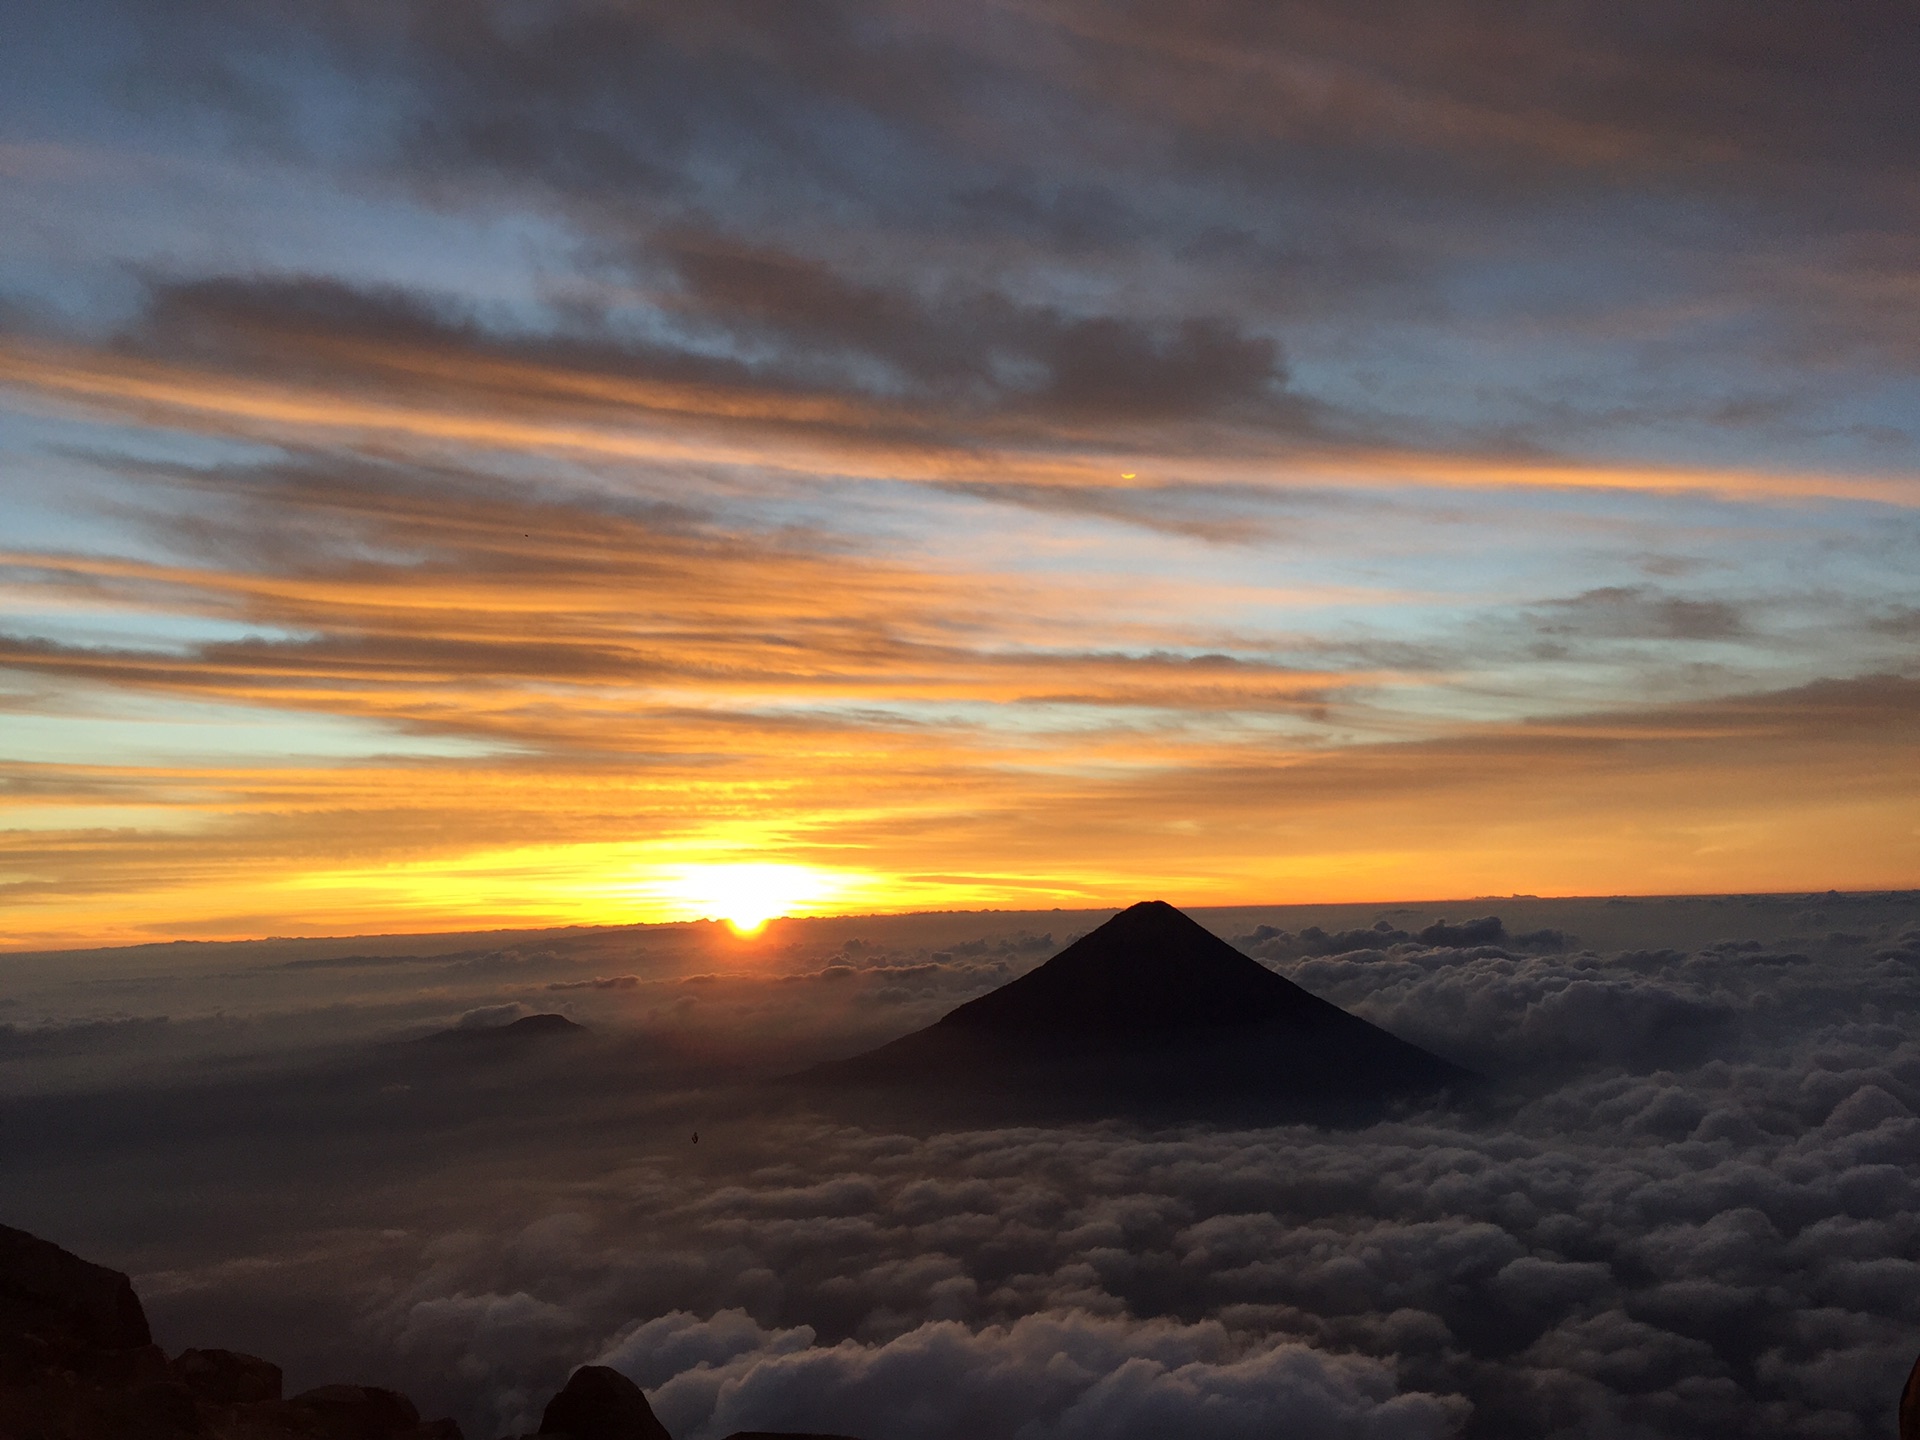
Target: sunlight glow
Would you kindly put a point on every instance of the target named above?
(747, 896)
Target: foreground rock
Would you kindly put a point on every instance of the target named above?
(224, 1377)
(601, 1404)
(78, 1362)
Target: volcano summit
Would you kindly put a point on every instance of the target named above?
(1154, 1014)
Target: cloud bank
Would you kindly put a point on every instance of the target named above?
(1687, 1210)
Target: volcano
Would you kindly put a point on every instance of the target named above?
(1151, 1013)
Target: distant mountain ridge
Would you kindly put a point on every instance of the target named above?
(1152, 1011)
(527, 1027)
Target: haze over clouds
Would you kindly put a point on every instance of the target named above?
(1687, 1209)
(465, 464)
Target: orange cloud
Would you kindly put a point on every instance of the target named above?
(475, 400)
(1796, 790)
(643, 688)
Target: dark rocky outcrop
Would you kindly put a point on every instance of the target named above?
(78, 1362)
(601, 1404)
(225, 1377)
(1151, 1013)
(60, 1308)
(367, 1412)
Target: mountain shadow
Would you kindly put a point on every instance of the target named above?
(1153, 1016)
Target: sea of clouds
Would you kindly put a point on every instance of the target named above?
(1688, 1205)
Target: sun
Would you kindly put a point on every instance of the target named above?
(747, 896)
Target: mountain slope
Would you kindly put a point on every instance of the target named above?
(1150, 1013)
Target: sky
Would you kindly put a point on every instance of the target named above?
(478, 463)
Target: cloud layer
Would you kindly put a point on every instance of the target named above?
(1688, 1210)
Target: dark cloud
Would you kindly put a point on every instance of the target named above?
(632, 96)
(1098, 216)
(888, 226)
(756, 324)
(980, 350)
(1901, 623)
(352, 338)
(1643, 613)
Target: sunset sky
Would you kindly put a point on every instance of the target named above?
(469, 463)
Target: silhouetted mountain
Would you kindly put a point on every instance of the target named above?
(1150, 1012)
(528, 1027)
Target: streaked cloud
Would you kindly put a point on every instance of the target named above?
(475, 461)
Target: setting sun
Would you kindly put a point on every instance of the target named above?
(747, 896)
